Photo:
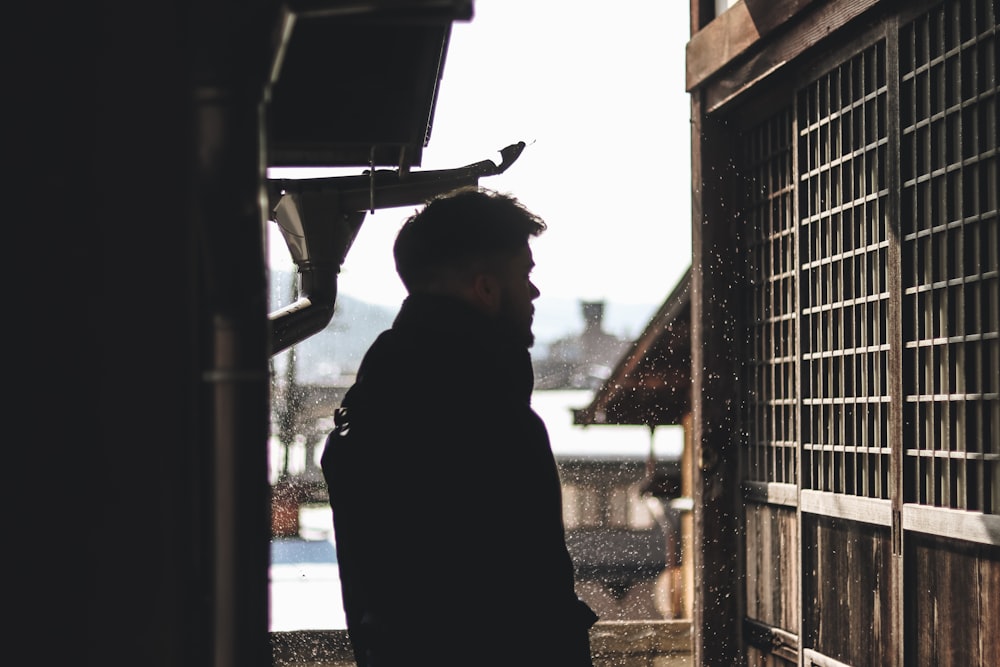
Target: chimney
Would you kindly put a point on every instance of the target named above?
(593, 316)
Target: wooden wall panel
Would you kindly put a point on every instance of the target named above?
(846, 579)
(772, 566)
(859, 606)
(953, 593)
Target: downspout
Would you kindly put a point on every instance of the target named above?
(234, 379)
(319, 219)
(318, 235)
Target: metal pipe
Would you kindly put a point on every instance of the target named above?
(319, 219)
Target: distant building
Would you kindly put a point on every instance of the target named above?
(581, 361)
(649, 387)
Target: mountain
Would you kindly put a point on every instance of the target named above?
(332, 356)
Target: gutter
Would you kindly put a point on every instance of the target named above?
(319, 219)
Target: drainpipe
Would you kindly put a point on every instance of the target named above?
(235, 377)
(230, 509)
(319, 219)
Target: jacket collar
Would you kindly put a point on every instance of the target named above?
(447, 318)
(445, 315)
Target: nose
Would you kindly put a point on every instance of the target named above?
(535, 293)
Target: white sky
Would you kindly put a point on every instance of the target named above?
(596, 90)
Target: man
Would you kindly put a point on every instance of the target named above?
(445, 495)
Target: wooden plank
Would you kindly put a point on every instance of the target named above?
(953, 589)
(687, 519)
(799, 546)
(718, 523)
(754, 573)
(772, 566)
(733, 32)
(771, 493)
(770, 558)
(771, 639)
(989, 603)
(790, 572)
(919, 574)
(847, 585)
(697, 428)
(786, 538)
(957, 619)
(955, 524)
(895, 586)
(819, 660)
(852, 508)
(813, 26)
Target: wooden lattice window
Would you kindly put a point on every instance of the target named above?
(948, 125)
(772, 440)
(844, 293)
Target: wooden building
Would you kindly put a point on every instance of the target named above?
(582, 360)
(651, 386)
(845, 338)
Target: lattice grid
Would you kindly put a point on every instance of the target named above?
(843, 244)
(772, 439)
(951, 272)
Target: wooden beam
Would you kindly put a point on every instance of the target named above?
(719, 599)
(953, 524)
(741, 74)
(733, 32)
(850, 508)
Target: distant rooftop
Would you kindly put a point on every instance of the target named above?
(630, 443)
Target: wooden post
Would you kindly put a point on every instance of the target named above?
(718, 531)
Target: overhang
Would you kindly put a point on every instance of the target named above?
(651, 385)
(355, 83)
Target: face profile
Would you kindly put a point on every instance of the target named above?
(516, 307)
(473, 244)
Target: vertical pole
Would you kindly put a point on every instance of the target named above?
(229, 70)
(718, 527)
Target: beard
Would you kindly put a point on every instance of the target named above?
(516, 322)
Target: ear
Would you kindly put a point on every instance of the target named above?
(486, 290)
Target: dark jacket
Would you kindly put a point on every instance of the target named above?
(446, 501)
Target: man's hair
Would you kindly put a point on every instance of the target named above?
(457, 231)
